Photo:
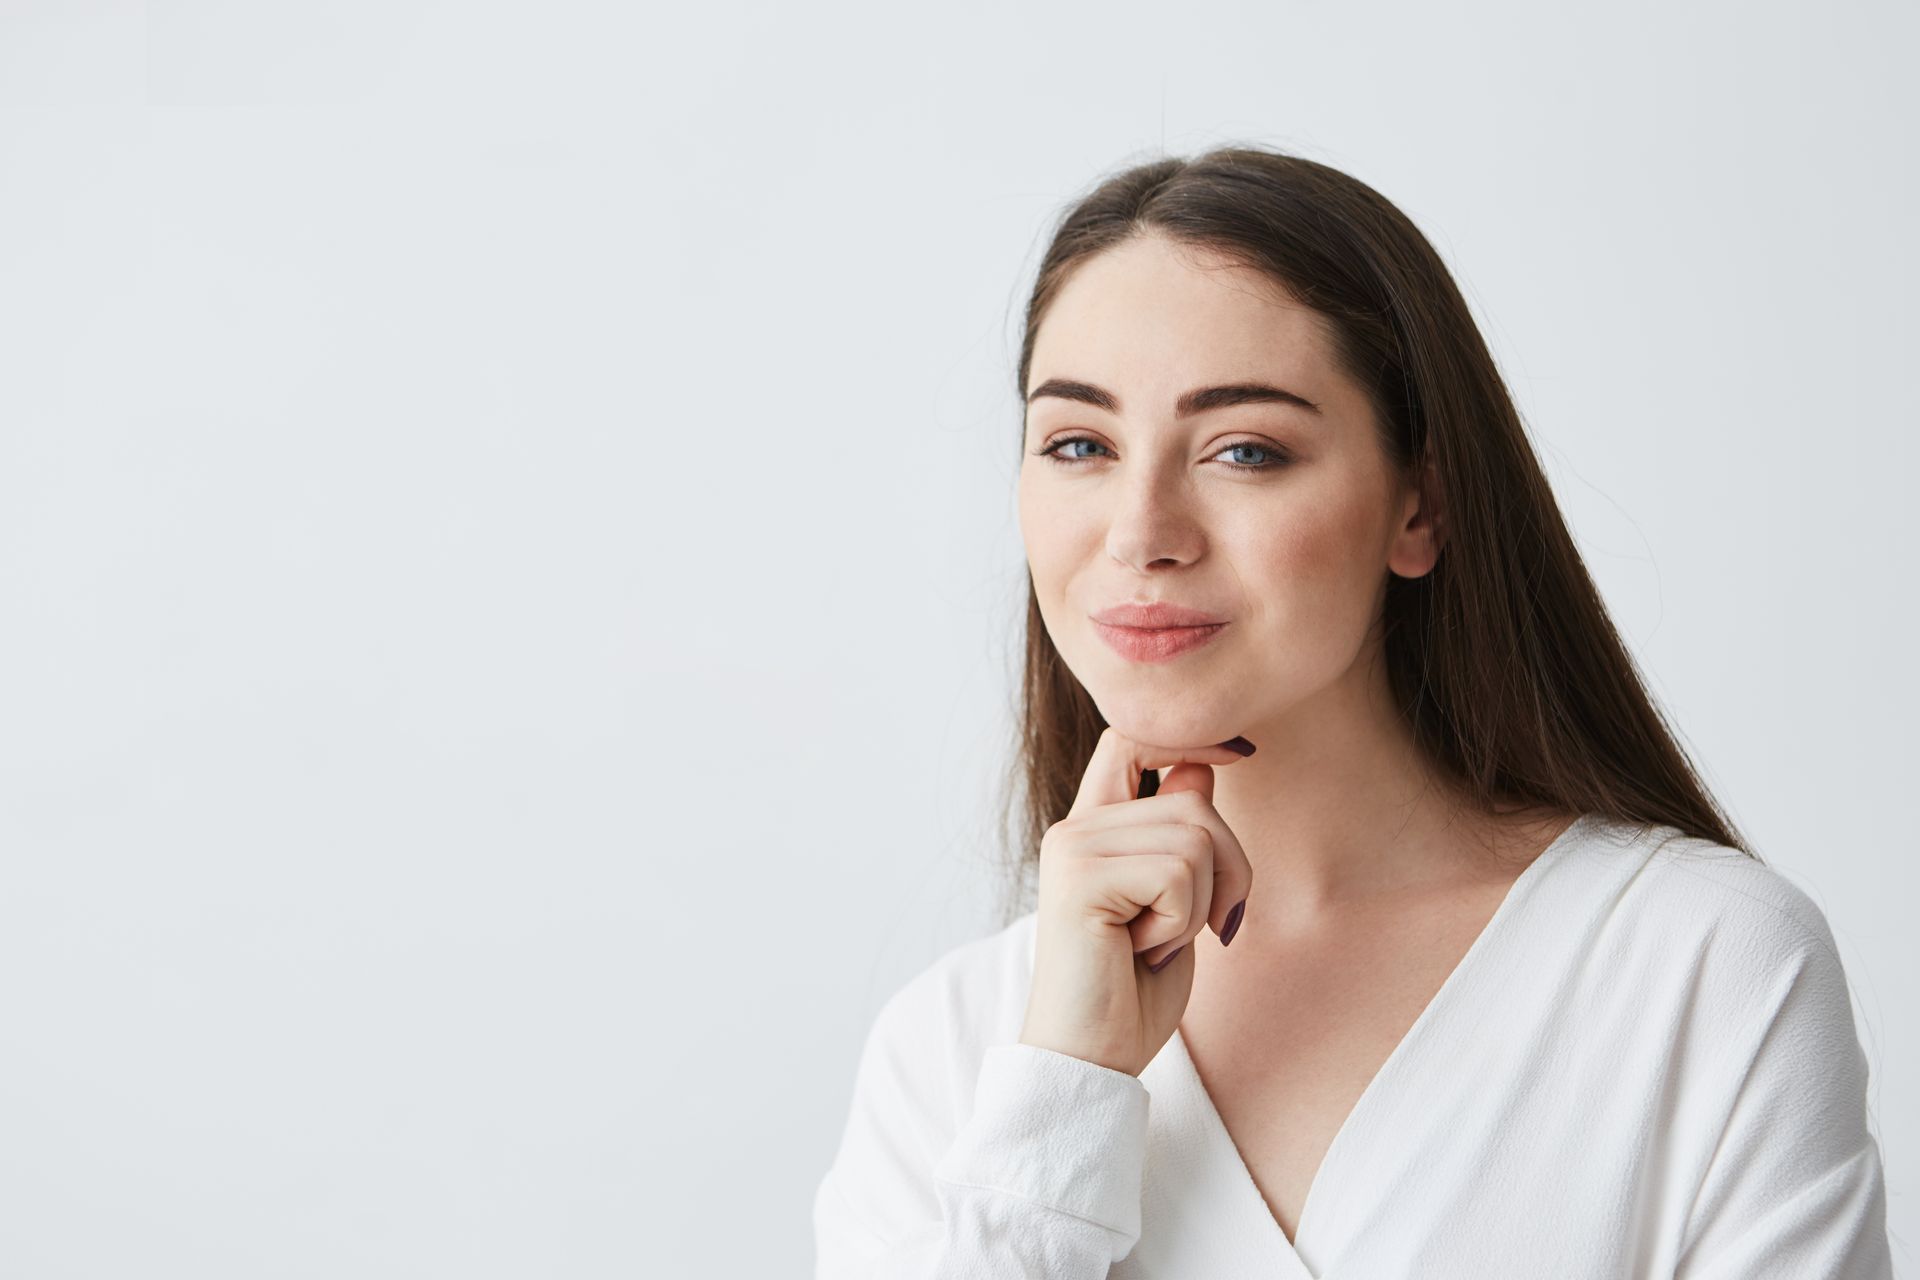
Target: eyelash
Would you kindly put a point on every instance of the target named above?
(1281, 457)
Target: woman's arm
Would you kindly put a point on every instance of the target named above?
(1795, 1187)
(1042, 1177)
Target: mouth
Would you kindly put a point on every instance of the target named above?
(1156, 644)
(1158, 615)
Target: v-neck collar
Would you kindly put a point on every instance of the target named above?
(1174, 1076)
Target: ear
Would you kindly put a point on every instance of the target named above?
(1423, 526)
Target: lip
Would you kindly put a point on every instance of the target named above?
(1154, 643)
(1156, 616)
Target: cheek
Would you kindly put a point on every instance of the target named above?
(1317, 560)
(1054, 533)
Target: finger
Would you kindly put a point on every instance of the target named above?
(1150, 895)
(1232, 880)
(1093, 854)
(1113, 771)
(1192, 834)
(1185, 798)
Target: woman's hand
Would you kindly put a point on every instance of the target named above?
(1125, 880)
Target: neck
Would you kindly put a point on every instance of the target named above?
(1339, 805)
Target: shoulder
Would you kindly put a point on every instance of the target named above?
(1675, 914)
(1695, 885)
(1684, 893)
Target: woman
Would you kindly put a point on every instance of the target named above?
(1507, 995)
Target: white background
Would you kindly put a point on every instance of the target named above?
(509, 577)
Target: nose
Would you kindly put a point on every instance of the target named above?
(1152, 524)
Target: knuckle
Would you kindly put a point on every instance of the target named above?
(1081, 874)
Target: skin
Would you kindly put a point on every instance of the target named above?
(1337, 810)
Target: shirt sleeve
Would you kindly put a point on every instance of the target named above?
(1042, 1177)
(1794, 1188)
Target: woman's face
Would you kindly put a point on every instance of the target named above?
(1145, 504)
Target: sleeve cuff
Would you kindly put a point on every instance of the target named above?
(1056, 1130)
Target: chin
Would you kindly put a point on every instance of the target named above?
(1170, 720)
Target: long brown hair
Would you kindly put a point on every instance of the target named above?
(1502, 657)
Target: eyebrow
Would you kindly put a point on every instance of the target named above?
(1198, 400)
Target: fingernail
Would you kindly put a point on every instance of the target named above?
(1166, 959)
(1239, 744)
(1233, 922)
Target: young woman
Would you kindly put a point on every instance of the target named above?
(1314, 669)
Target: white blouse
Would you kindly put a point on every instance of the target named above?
(1646, 1065)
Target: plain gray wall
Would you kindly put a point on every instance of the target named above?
(508, 569)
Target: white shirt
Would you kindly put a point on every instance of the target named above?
(1646, 1065)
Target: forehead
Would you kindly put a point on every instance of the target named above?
(1154, 318)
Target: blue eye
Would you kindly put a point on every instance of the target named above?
(1052, 451)
(1280, 457)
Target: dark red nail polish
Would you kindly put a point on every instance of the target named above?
(1166, 959)
(1239, 744)
(1233, 922)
